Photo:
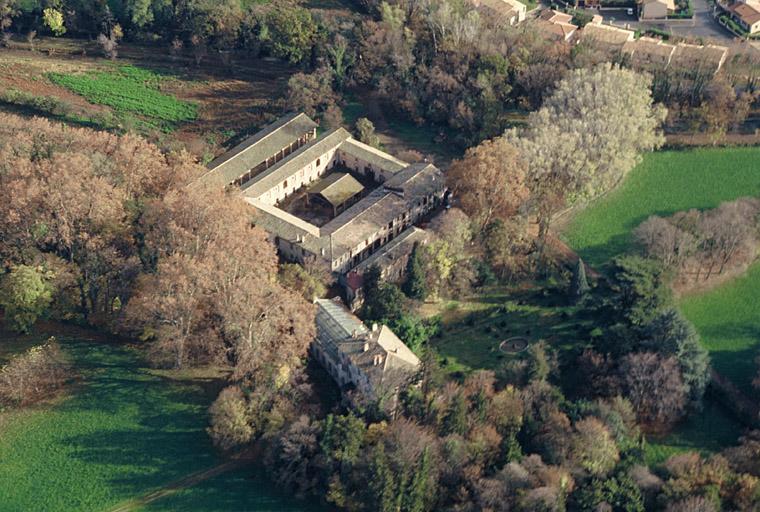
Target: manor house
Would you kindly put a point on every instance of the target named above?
(326, 199)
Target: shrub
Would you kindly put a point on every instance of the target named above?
(34, 374)
(230, 425)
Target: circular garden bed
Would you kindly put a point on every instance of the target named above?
(513, 345)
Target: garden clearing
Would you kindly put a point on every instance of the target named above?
(473, 328)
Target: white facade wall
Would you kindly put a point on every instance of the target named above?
(360, 166)
(304, 176)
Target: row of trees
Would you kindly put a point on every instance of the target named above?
(445, 64)
(699, 244)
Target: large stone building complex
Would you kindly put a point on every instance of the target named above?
(334, 201)
(330, 200)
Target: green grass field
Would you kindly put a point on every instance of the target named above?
(664, 183)
(121, 431)
(130, 90)
(231, 492)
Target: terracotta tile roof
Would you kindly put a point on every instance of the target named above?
(746, 13)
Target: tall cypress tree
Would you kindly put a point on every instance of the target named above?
(417, 496)
(415, 286)
(382, 486)
(579, 286)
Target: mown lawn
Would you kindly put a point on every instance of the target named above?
(120, 431)
(664, 183)
(727, 317)
(130, 90)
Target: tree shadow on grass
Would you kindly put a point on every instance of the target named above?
(149, 430)
(241, 490)
(732, 352)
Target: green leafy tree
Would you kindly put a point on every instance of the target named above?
(298, 279)
(382, 487)
(342, 437)
(291, 32)
(383, 302)
(593, 448)
(365, 131)
(455, 418)
(619, 493)
(25, 295)
(414, 331)
(672, 334)
(539, 365)
(418, 493)
(415, 285)
(53, 19)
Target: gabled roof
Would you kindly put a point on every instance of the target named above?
(559, 29)
(337, 188)
(229, 166)
(670, 4)
(553, 16)
(383, 257)
(379, 354)
(284, 169)
(746, 13)
(374, 156)
(690, 56)
(649, 52)
(504, 8)
(607, 34)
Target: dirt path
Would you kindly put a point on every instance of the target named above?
(238, 461)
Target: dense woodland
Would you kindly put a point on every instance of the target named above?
(437, 62)
(107, 230)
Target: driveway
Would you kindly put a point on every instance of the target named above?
(704, 24)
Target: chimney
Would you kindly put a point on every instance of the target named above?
(366, 346)
(323, 251)
(354, 334)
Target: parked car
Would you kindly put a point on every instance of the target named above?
(629, 11)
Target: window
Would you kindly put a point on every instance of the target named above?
(285, 184)
(318, 161)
